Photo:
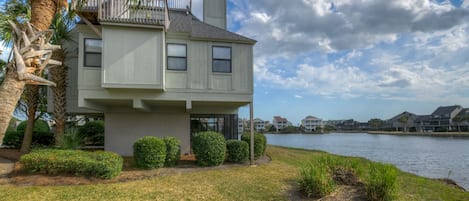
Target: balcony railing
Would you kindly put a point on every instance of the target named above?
(147, 12)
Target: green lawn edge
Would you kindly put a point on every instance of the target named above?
(272, 181)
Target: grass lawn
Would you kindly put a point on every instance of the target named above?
(272, 181)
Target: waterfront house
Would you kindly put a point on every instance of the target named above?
(462, 120)
(422, 123)
(311, 123)
(260, 124)
(402, 122)
(152, 68)
(443, 116)
(280, 123)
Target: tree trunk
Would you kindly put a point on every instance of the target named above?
(10, 92)
(42, 13)
(32, 101)
(59, 77)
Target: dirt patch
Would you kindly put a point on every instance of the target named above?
(451, 183)
(129, 173)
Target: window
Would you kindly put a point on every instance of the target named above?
(177, 57)
(221, 59)
(92, 52)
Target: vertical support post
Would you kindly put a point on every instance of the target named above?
(251, 121)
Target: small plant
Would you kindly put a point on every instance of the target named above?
(237, 151)
(93, 132)
(260, 143)
(100, 164)
(209, 148)
(381, 182)
(173, 151)
(316, 180)
(71, 139)
(149, 152)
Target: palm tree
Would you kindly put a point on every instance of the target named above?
(42, 13)
(404, 119)
(62, 25)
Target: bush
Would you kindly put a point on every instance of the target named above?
(381, 182)
(71, 139)
(40, 126)
(237, 151)
(209, 148)
(13, 139)
(260, 143)
(173, 151)
(149, 152)
(41, 134)
(315, 180)
(93, 132)
(100, 164)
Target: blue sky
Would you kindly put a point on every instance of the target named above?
(360, 59)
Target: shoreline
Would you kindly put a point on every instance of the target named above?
(432, 134)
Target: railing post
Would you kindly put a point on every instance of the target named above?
(100, 8)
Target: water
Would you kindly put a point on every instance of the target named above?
(434, 157)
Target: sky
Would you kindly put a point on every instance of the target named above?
(360, 59)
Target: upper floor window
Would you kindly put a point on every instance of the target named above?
(221, 59)
(92, 56)
(177, 56)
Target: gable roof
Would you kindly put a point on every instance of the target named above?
(182, 22)
(442, 110)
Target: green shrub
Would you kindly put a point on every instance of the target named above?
(93, 132)
(381, 182)
(13, 139)
(316, 180)
(149, 152)
(237, 151)
(260, 143)
(100, 164)
(173, 151)
(71, 139)
(209, 148)
(40, 126)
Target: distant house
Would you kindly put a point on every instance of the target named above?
(311, 123)
(348, 124)
(443, 116)
(280, 123)
(462, 120)
(260, 124)
(403, 121)
(422, 123)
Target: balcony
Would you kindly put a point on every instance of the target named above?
(139, 12)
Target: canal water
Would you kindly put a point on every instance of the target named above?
(434, 157)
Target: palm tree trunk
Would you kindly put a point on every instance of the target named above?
(32, 101)
(10, 92)
(59, 77)
(42, 13)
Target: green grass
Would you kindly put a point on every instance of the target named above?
(272, 181)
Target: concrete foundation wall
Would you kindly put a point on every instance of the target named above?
(123, 129)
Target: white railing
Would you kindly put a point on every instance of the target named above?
(152, 12)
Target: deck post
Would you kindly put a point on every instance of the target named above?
(251, 121)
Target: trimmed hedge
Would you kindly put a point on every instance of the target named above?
(93, 132)
(237, 151)
(209, 148)
(260, 143)
(100, 164)
(173, 151)
(40, 126)
(149, 152)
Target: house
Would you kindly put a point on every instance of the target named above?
(422, 123)
(280, 123)
(311, 123)
(443, 118)
(154, 69)
(260, 124)
(403, 121)
(462, 120)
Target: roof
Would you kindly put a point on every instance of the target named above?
(279, 119)
(311, 117)
(442, 110)
(421, 118)
(397, 117)
(184, 22)
(464, 113)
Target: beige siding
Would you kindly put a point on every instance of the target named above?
(198, 64)
(123, 129)
(132, 57)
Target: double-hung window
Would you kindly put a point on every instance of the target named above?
(177, 57)
(92, 55)
(221, 59)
